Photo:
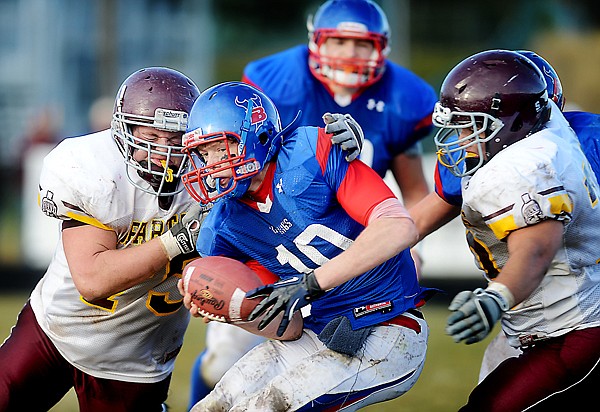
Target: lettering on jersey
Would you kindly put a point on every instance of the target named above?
(157, 228)
(484, 257)
(283, 227)
(108, 304)
(376, 105)
(48, 206)
(279, 186)
(382, 307)
(258, 114)
(137, 233)
(140, 232)
(531, 210)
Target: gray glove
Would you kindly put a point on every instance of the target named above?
(474, 314)
(181, 238)
(346, 132)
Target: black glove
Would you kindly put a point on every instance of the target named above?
(285, 296)
(181, 238)
(346, 132)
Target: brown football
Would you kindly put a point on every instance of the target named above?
(218, 286)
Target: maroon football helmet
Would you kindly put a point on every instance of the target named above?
(495, 98)
(161, 98)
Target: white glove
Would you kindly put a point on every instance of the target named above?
(475, 313)
(181, 238)
(346, 132)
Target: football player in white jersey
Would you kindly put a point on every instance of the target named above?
(106, 318)
(531, 213)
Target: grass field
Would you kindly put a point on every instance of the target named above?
(450, 372)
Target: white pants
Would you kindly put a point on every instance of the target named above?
(225, 345)
(496, 352)
(285, 376)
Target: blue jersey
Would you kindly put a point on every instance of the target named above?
(587, 128)
(301, 225)
(394, 113)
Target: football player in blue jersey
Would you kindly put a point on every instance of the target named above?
(343, 69)
(286, 200)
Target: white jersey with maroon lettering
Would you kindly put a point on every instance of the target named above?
(133, 335)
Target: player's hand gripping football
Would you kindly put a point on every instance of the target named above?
(181, 238)
(285, 296)
(474, 314)
(346, 132)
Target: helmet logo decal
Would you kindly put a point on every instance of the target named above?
(258, 115)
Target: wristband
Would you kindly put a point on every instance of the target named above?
(170, 245)
(501, 290)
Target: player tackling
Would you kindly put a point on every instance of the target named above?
(530, 208)
(107, 318)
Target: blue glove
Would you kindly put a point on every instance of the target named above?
(474, 314)
(285, 296)
(346, 132)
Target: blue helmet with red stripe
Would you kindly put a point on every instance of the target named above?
(231, 112)
(348, 19)
(553, 85)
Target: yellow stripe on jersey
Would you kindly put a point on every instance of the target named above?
(503, 227)
(88, 220)
(560, 204)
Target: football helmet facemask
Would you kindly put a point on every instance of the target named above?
(348, 19)
(488, 102)
(230, 112)
(160, 98)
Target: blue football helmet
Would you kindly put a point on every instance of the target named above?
(350, 19)
(553, 85)
(231, 112)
